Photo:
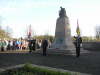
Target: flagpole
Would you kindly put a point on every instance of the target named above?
(29, 32)
(78, 29)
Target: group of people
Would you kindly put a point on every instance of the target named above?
(44, 44)
(13, 44)
(22, 44)
(33, 44)
(77, 42)
(17, 44)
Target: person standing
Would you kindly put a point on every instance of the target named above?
(3, 45)
(32, 45)
(77, 44)
(44, 46)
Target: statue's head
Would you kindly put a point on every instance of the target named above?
(62, 12)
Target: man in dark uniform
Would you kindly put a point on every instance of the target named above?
(77, 44)
(44, 46)
(32, 45)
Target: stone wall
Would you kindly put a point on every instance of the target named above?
(95, 46)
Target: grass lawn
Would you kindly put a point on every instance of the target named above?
(28, 69)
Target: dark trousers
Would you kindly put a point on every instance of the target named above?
(33, 48)
(77, 51)
(30, 49)
(2, 48)
(44, 51)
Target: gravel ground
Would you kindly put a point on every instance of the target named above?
(88, 62)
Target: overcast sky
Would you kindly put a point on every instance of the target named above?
(42, 15)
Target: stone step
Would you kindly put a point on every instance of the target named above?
(56, 51)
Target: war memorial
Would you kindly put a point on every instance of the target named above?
(63, 33)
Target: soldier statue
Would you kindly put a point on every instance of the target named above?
(62, 12)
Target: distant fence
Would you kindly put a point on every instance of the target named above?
(95, 46)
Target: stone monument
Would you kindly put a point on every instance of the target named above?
(63, 33)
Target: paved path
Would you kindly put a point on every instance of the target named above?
(88, 62)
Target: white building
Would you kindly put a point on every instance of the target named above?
(97, 31)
